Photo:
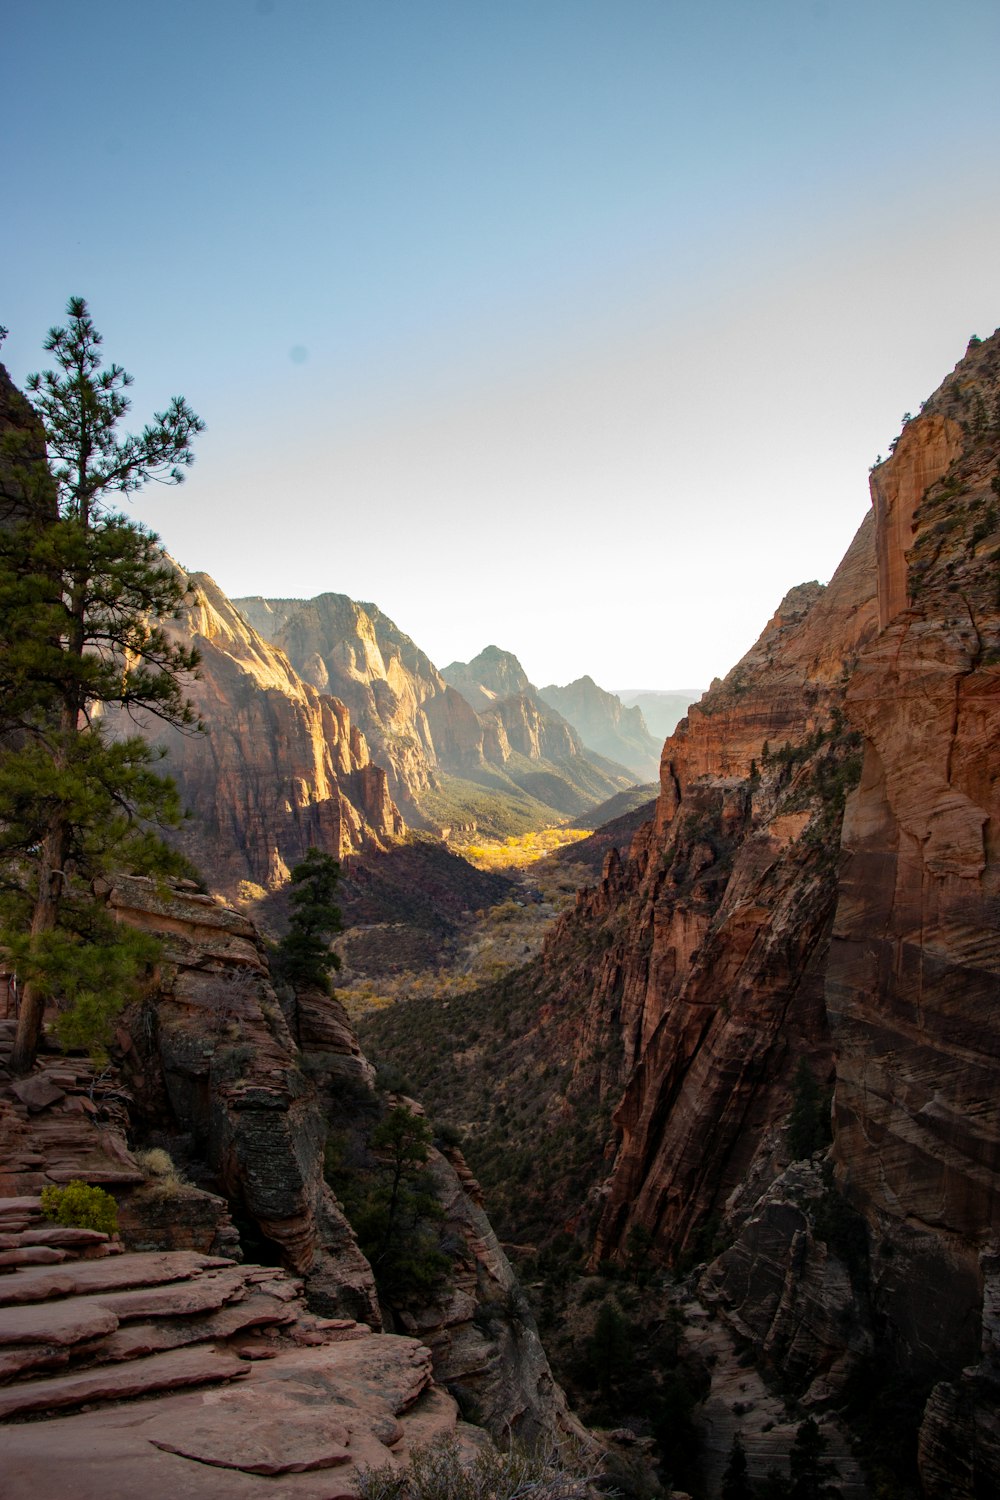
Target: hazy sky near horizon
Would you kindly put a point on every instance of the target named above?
(566, 325)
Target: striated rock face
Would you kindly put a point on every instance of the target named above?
(722, 915)
(177, 1373)
(755, 921)
(280, 766)
(606, 725)
(914, 972)
(414, 721)
(214, 1061)
(483, 1338)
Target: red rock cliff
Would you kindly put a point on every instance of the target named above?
(280, 766)
(913, 982)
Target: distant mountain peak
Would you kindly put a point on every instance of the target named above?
(493, 674)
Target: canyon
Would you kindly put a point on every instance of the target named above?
(758, 1054)
(816, 887)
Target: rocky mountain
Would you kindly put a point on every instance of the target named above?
(502, 761)
(492, 675)
(813, 907)
(415, 723)
(662, 711)
(280, 766)
(606, 725)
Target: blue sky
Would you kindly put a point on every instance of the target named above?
(565, 325)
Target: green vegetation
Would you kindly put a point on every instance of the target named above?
(631, 1369)
(494, 807)
(534, 1128)
(80, 1206)
(518, 850)
(303, 956)
(82, 592)
(390, 1202)
(736, 1481)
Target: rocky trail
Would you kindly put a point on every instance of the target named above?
(172, 1372)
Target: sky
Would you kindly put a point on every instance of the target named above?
(569, 326)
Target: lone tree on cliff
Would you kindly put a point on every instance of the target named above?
(82, 592)
(304, 955)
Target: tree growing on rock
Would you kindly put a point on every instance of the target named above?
(304, 956)
(83, 594)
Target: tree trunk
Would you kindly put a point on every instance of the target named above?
(29, 1020)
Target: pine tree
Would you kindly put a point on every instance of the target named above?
(83, 593)
(304, 955)
(810, 1470)
(736, 1480)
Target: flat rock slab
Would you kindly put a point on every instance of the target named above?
(20, 1361)
(148, 1338)
(37, 1092)
(33, 1255)
(177, 1299)
(78, 1278)
(62, 1323)
(18, 1207)
(267, 1433)
(53, 1234)
(138, 1377)
(290, 1412)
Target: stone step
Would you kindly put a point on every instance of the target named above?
(121, 1382)
(74, 1320)
(139, 1339)
(85, 1277)
(53, 1234)
(33, 1255)
(71, 1320)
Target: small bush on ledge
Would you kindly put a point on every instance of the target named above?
(79, 1206)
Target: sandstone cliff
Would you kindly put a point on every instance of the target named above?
(414, 721)
(725, 969)
(251, 1085)
(280, 766)
(246, 1087)
(819, 883)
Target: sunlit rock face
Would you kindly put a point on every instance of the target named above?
(414, 722)
(735, 885)
(424, 725)
(279, 767)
